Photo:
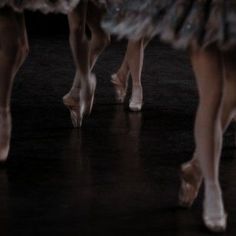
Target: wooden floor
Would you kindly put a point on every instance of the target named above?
(118, 175)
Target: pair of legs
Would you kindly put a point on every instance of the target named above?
(13, 51)
(85, 51)
(215, 72)
(131, 65)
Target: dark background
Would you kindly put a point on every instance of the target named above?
(46, 25)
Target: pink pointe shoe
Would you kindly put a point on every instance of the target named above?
(136, 101)
(80, 101)
(214, 216)
(191, 180)
(216, 224)
(120, 88)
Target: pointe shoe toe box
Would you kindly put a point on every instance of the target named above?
(216, 224)
(135, 106)
(4, 154)
(120, 88)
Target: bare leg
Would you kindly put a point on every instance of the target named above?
(13, 51)
(132, 63)
(100, 39)
(80, 98)
(191, 176)
(208, 69)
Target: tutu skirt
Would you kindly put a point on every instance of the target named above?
(45, 6)
(179, 22)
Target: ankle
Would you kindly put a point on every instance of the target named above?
(137, 85)
(213, 192)
(212, 185)
(137, 92)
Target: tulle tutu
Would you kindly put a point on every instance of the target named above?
(179, 22)
(45, 6)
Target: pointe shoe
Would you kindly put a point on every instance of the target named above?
(80, 101)
(72, 102)
(120, 88)
(87, 97)
(214, 216)
(136, 101)
(216, 224)
(191, 180)
(5, 135)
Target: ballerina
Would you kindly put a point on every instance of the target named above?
(207, 29)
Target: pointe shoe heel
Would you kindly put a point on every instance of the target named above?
(191, 180)
(120, 88)
(216, 224)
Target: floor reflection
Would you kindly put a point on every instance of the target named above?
(119, 173)
(4, 212)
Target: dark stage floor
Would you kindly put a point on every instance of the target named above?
(118, 175)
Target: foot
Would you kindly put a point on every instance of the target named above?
(5, 134)
(214, 216)
(191, 180)
(80, 101)
(120, 87)
(72, 101)
(136, 101)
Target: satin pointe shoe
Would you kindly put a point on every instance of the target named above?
(214, 216)
(191, 180)
(72, 101)
(79, 101)
(120, 88)
(136, 101)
